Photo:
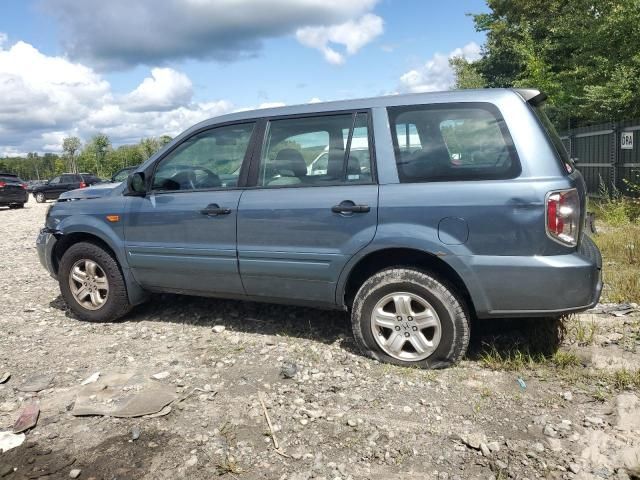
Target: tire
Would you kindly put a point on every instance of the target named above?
(441, 330)
(109, 305)
(40, 198)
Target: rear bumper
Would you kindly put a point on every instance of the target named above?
(538, 286)
(12, 198)
(45, 243)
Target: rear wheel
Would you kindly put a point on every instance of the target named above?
(410, 318)
(92, 284)
(40, 198)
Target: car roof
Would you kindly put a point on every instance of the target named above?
(4, 174)
(475, 95)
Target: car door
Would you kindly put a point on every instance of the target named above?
(181, 236)
(52, 189)
(297, 231)
(68, 182)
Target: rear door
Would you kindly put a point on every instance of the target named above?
(297, 227)
(52, 189)
(68, 182)
(181, 236)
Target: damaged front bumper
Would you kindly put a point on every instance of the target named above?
(45, 243)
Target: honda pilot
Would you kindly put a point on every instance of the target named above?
(464, 207)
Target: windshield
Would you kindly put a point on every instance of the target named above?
(552, 134)
(122, 174)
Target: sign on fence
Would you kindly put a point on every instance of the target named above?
(626, 141)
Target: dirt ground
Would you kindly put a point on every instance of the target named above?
(502, 413)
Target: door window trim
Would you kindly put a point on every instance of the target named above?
(244, 167)
(254, 168)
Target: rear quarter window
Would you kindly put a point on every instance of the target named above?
(452, 142)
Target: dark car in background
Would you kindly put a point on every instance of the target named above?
(63, 183)
(13, 191)
(122, 174)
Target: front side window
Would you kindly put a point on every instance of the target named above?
(210, 159)
(452, 142)
(54, 181)
(323, 150)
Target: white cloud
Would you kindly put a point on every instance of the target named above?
(314, 100)
(166, 89)
(3, 39)
(122, 33)
(352, 35)
(271, 104)
(45, 98)
(436, 74)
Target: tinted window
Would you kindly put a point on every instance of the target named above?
(323, 150)
(9, 178)
(54, 180)
(68, 179)
(211, 159)
(553, 136)
(452, 142)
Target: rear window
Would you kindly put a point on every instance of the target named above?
(554, 138)
(10, 178)
(452, 142)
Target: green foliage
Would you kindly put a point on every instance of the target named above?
(583, 54)
(97, 156)
(466, 74)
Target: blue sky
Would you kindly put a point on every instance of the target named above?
(141, 68)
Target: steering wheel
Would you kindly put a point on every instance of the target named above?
(211, 180)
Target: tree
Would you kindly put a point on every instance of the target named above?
(583, 53)
(99, 145)
(70, 146)
(466, 74)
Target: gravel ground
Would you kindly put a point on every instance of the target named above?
(334, 414)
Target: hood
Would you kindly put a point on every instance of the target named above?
(95, 191)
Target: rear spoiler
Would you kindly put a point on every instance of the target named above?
(532, 96)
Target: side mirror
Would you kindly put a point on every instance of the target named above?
(136, 185)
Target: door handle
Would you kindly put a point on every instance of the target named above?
(214, 209)
(347, 206)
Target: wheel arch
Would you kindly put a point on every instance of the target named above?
(378, 260)
(135, 292)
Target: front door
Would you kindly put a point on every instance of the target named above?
(182, 235)
(299, 226)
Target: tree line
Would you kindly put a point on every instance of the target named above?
(96, 156)
(585, 54)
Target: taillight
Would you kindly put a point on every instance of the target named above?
(82, 184)
(24, 186)
(2, 184)
(563, 216)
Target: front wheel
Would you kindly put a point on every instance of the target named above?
(40, 198)
(410, 318)
(92, 284)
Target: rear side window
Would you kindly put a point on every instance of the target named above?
(452, 142)
(319, 150)
(69, 178)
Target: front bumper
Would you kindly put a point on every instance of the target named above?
(540, 285)
(45, 243)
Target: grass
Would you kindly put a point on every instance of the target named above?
(618, 222)
(581, 332)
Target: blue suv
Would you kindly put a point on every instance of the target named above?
(457, 206)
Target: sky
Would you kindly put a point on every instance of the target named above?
(140, 68)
